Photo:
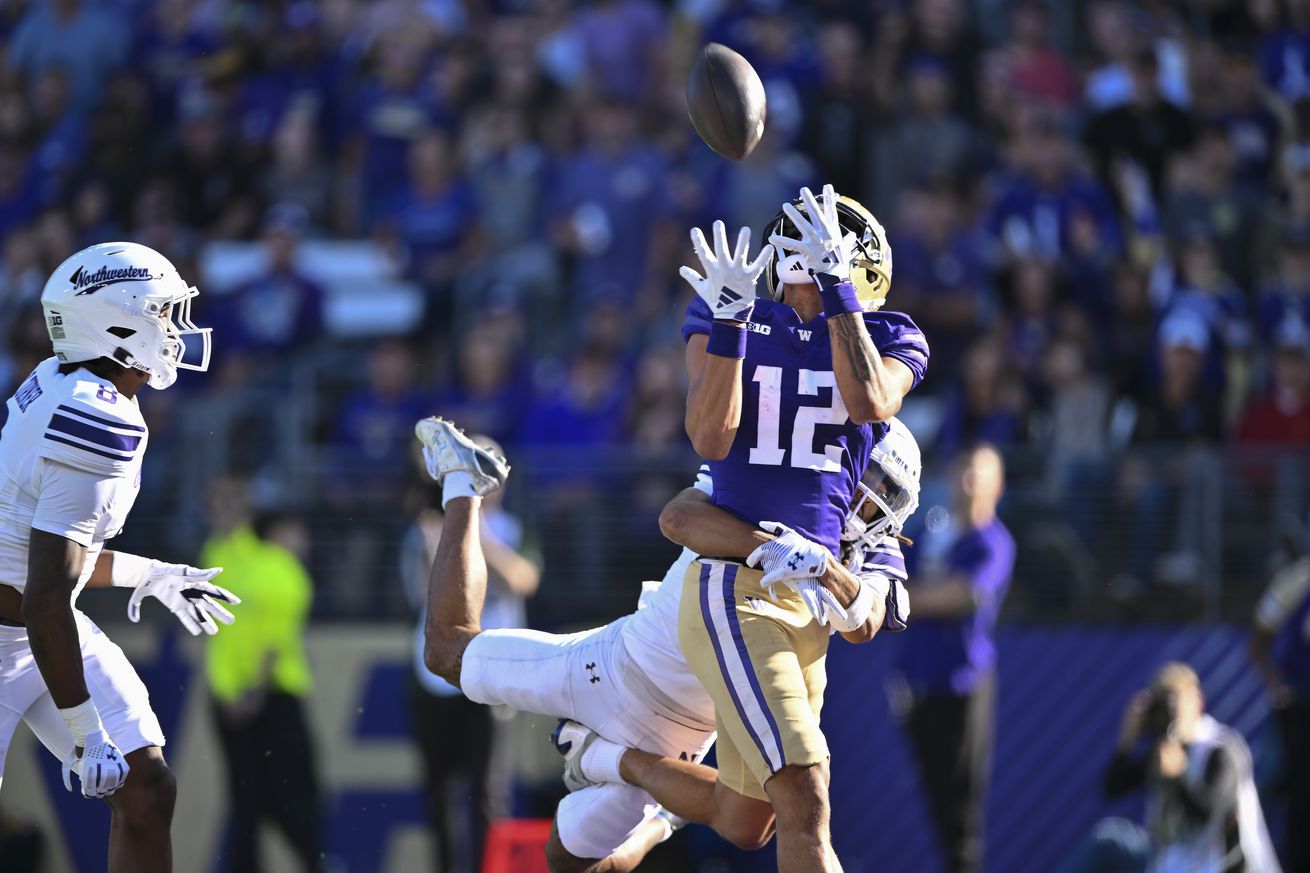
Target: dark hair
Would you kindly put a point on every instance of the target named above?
(105, 368)
(267, 521)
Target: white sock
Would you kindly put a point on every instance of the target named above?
(458, 483)
(600, 762)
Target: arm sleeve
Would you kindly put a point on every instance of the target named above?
(71, 502)
(698, 319)
(895, 335)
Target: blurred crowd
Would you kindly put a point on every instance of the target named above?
(1100, 214)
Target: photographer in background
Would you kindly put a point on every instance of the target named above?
(1202, 811)
(1280, 648)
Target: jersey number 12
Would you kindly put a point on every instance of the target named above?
(768, 450)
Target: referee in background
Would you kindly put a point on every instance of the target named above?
(947, 666)
(259, 678)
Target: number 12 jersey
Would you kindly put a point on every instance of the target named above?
(797, 455)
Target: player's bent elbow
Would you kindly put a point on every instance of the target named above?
(711, 447)
(868, 409)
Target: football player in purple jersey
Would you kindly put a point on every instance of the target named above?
(788, 393)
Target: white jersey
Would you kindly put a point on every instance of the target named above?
(650, 635)
(70, 465)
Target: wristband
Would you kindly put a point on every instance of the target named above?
(129, 571)
(857, 613)
(82, 721)
(727, 341)
(838, 295)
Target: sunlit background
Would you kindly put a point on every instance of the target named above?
(1100, 217)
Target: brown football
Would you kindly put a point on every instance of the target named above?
(725, 100)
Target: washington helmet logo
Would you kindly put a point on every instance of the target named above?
(90, 283)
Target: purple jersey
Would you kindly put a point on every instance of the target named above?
(797, 456)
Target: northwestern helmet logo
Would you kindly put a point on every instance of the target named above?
(91, 282)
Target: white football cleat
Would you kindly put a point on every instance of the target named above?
(447, 449)
(571, 740)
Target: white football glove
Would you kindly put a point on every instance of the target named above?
(728, 286)
(188, 592)
(101, 767)
(822, 247)
(788, 559)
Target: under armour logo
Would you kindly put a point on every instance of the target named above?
(591, 668)
(111, 756)
(793, 562)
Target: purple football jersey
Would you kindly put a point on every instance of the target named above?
(797, 456)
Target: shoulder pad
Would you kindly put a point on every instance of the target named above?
(897, 336)
(885, 557)
(95, 429)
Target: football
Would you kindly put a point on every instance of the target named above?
(725, 101)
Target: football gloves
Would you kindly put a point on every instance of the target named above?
(101, 767)
(188, 592)
(788, 559)
(728, 283)
(823, 246)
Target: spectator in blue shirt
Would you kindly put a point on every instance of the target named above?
(1288, 294)
(391, 112)
(85, 39)
(1049, 209)
(279, 311)
(941, 273)
(436, 218)
(948, 663)
(610, 208)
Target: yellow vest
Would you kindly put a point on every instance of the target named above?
(266, 640)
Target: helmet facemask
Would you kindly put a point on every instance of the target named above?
(172, 315)
(881, 508)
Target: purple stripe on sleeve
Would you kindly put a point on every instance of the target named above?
(729, 596)
(93, 434)
(121, 425)
(110, 455)
(708, 618)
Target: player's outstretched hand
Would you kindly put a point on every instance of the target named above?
(190, 595)
(787, 559)
(101, 767)
(728, 283)
(822, 245)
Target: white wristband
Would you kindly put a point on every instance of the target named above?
(857, 613)
(129, 571)
(82, 720)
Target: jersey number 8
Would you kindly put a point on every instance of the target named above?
(768, 451)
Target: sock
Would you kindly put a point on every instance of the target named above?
(600, 762)
(458, 483)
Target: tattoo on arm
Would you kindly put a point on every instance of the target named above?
(855, 345)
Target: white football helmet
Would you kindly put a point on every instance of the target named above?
(126, 302)
(891, 483)
(871, 254)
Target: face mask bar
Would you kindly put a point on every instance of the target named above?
(177, 325)
(895, 504)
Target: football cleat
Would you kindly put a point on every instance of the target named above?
(571, 740)
(447, 449)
